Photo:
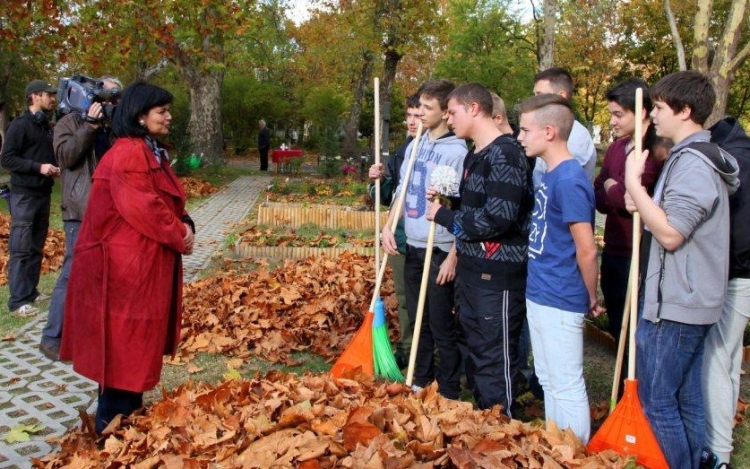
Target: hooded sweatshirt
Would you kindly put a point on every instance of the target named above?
(729, 134)
(687, 285)
(447, 150)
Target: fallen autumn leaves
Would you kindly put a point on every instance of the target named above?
(312, 421)
(197, 188)
(54, 249)
(314, 304)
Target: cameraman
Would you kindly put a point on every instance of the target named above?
(79, 142)
(27, 155)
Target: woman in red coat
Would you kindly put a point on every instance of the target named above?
(124, 301)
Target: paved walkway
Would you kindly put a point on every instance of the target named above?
(34, 390)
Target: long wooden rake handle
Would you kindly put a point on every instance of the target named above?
(635, 258)
(621, 348)
(397, 209)
(376, 136)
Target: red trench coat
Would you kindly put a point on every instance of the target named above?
(124, 302)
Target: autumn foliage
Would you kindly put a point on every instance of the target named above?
(313, 421)
(54, 250)
(197, 188)
(315, 304)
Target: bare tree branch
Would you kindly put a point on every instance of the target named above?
(154, 69)
(675, 35)
(738, 59)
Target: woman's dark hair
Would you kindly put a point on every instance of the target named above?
(624, 94)
(137, 99)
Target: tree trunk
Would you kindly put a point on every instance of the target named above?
(721, 85)
(726, 60)
(206, 136)
(547, 58)
(355, 111)
(4, 80)
(700, 36)
(392, 59)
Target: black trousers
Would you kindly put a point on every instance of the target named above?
(29, 221)
(490, 321)
(439, 328)
(263, 158)
(614, 282)
(113, 402)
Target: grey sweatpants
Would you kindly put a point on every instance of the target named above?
(722, 364)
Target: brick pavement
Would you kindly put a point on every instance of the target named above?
(35, 390)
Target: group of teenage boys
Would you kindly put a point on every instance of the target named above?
(517, 245)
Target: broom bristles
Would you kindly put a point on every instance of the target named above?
(384, 361)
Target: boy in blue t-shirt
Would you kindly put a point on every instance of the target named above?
(562, 270)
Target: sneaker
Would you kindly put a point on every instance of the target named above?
(51, 351)
(41, 297)
(26, 311)
(708, 460)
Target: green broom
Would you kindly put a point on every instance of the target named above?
(385, 364)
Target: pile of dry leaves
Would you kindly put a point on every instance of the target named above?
(285, 236)
(311, 422)
(54, 249)
(197, 188)
(315, 304)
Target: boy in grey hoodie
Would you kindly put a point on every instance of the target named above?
(685, 277)
(438, 146)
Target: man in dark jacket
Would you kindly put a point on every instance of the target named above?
(27, 154)
(79, 143)
(264, 144)
(491, 227)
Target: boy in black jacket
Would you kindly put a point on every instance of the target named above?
(491, 229)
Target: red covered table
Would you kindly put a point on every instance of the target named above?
(280, 156)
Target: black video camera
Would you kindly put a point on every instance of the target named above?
(77, 93)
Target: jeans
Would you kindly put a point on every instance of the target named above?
(113, 402)
(490, 322)
(28, 232)
(722, 365)
(557, 344)
(669, 360)
(52, 332)
(439, 327)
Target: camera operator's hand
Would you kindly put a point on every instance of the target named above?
(95, 114)
(189, 240)
(49, 170)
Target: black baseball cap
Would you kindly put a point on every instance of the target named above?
(38, 86)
